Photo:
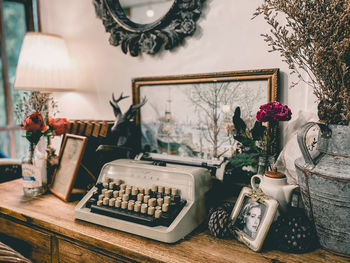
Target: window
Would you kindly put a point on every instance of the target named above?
(16, 18)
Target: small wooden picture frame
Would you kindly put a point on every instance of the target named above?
(252, 217)
(71, 154)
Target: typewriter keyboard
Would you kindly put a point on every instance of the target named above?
(158, 205)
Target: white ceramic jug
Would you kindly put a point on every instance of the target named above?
(274, 184)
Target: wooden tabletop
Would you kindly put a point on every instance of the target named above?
(55, 215)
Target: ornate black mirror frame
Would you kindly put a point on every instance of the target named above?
(168, 31)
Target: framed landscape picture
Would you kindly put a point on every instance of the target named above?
(192, 115)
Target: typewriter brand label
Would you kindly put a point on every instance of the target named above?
(31, 176)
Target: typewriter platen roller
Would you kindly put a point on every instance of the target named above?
(164, 203)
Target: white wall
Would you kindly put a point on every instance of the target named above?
(227, 40)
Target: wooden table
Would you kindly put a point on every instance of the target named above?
(44, 229)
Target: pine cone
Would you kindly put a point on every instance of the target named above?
(293, 232)
(227, 206)
(219, 223)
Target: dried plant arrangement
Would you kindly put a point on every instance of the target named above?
(313, 37)
(35, 102)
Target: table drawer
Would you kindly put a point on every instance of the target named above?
(72, 252)
(31, 243)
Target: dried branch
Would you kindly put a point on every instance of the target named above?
(313, 37)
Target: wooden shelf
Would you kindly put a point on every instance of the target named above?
(46, 226)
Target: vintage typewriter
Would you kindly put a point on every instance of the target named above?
(153, 198)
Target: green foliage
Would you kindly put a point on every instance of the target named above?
(245, 159)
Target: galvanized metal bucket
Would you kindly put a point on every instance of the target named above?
(325, 184)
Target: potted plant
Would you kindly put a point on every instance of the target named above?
(314, 40)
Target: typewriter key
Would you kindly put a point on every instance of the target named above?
(152, 202)
(165, 207)
(167, 199)
(131, 206)
(138, 202)
(160, 201)
(111, 202)
(174, 191)
(115, 194)
(128, 190)
(121, 192)
(141, 190)
(161, 189)
(137, 207)
(133, 194)
(104, 190)
(158, 213)
(124, 205)
(109, 193)
(158, 207)
(111, 185)
(146, 198)
(101, 196)
(140, 197)
(125, 197)
(99, 203)
(118, 203)
(154, 188)
(150, 210)
(105, 185)
(167, 191)
(122, 187)
(143, 208)
(105, 201)
(147, 191)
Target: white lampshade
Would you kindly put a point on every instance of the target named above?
(44, 64)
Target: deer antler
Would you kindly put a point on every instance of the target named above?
(133, 108)
(114, 103)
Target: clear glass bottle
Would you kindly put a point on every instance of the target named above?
(265, 164)
(34, 170)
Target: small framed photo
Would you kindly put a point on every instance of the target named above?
(71, 154)
(252, 217)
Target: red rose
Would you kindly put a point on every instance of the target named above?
(59, 126)
(34, 122)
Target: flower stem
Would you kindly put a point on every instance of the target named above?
(31, 149)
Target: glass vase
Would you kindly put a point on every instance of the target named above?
(34, 169)
(265, 163)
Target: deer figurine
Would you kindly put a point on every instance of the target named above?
(124, 133)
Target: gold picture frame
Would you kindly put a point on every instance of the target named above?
(71, 154)
(252, 217)
(173, 98)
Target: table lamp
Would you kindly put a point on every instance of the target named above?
(44, 64)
